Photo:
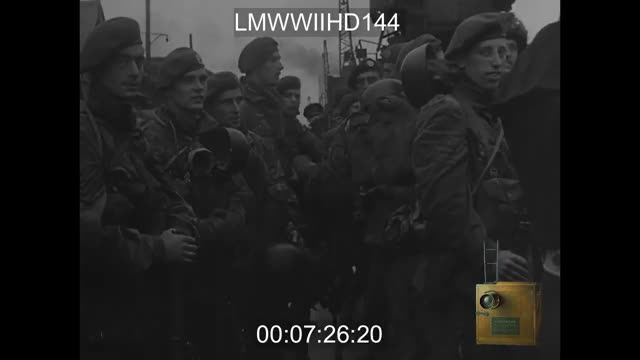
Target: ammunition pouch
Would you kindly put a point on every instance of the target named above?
(499, 204)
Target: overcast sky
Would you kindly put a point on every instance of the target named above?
(212, 24)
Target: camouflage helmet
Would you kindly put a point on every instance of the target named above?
(411, 45)
(228, 142)
(422, 73)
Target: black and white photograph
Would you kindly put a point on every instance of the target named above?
(319, 180)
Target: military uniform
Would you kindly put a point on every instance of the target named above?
(219, 203)
(261, 114)
(139, 206)
(276, 142)
(124, 208)
(218, 200)
(456, 137)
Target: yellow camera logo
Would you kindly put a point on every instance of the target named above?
(508, 313)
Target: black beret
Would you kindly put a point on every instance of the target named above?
(313, 108)
(179, 62)
(106, 40)
(256, 53)
(221, 82)
(474, 29)
(515, 30)
(364, 66)
(288, 83)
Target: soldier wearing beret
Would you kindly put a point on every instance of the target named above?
(262, 113)
(223, 101)
(462, 165)
(365, 74)
(318, 120)
(173, 132)
(172, 129)
(299, 140)
(132, 223)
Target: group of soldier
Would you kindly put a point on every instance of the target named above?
(218, 211)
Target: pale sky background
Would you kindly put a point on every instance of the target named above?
(212, 24)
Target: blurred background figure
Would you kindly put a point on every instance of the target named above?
(364, 75)
(317, 119)
(529, 103)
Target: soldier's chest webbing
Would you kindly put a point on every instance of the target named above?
(126, 176)
(123, 160)
(267, 122)
(170, 153)
(484, 133)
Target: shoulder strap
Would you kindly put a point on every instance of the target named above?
(493, 156)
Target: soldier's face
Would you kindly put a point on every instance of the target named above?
(226, 108)
(391, 135)
(513, 55)
(123, 75)
(188, 92)
(291, 102)
(487, 62)
(365, 79)
(269, 72)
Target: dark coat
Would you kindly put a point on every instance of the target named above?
(124, 207)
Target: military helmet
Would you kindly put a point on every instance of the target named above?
(422, 73)
(229, 142)
(411, 45)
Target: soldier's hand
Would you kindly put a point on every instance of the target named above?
(512, 267)
(178, 247)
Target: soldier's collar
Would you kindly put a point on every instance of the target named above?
(112, 110)
(207, 122)
(185, 123)
(467, 91)
(256, 93)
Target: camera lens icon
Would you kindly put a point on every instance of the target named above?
(490, 300)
